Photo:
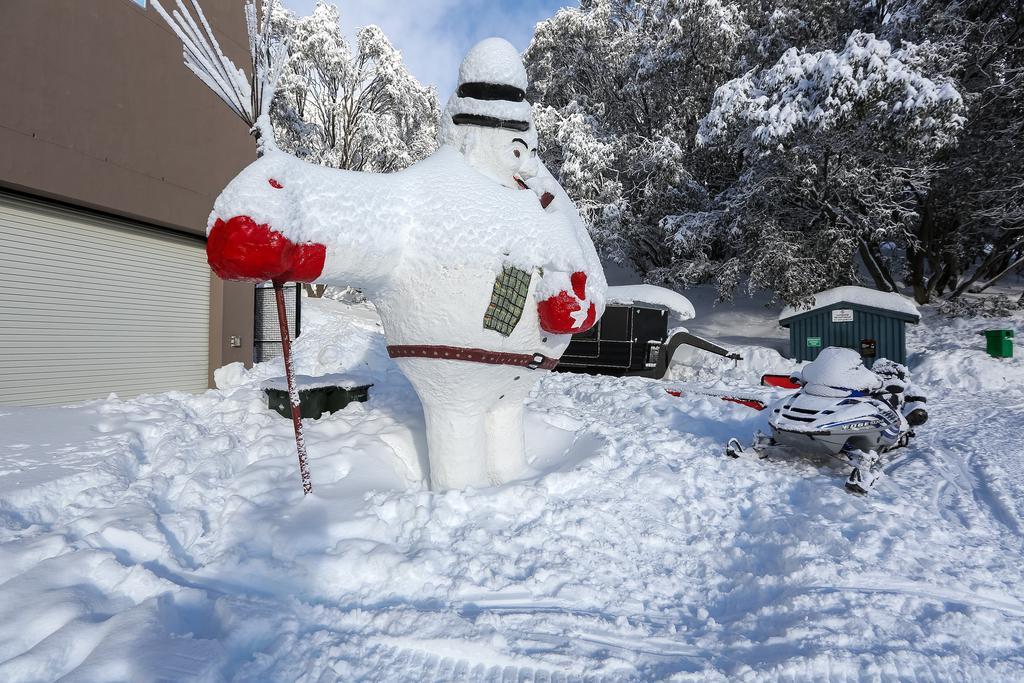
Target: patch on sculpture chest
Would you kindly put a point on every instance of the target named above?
(508, 299)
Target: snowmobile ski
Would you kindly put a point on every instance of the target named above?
(748, 401)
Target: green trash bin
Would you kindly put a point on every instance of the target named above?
(317, 395)
(999, 343)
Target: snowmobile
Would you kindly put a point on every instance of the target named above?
(843, 410)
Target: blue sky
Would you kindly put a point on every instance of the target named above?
(433, 35)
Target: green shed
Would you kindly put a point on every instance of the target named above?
(865, 320)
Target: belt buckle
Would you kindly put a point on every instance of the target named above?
(538, 360)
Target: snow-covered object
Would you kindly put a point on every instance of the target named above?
(333, 379)
(892, 373)
(651, 294)
(428, 245)
(493, 60)
(862, 296)
(440, 210)
(691, 364)
(838, 369)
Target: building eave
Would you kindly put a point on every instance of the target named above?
(905, 317)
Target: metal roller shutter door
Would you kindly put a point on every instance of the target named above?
(91, 305)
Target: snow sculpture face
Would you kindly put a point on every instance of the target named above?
(501, 155)
(488, 118)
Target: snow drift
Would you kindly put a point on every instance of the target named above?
(166, 538)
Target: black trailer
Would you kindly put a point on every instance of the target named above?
(630, 340)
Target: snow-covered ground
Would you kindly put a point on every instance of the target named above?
(167, 538)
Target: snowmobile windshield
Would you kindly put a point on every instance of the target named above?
(827, 391)
(841, 369)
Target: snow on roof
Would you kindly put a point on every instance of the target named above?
(651, 294)
(862, 296)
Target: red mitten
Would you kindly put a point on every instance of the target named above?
(560, 314)
(241, 249)
(307, 263)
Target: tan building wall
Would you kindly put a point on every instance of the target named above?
(98, 111)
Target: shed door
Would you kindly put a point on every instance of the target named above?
(91, 305)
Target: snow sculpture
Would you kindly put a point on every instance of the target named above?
(478, 263)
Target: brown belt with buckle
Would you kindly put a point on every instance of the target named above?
(526, 360)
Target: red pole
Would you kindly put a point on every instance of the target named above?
(293, 392)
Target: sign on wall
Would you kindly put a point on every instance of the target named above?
(814, 342)
(842, 315)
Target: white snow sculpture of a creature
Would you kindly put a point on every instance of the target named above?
(476, 259)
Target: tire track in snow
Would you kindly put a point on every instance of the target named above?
(984, 494)
(963, 456)
(406, 659)
(886, 584)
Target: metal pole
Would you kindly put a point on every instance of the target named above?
(293, 392)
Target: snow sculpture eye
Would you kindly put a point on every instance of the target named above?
(515, 147)
(275, 184)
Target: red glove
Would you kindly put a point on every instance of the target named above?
(556, 312)
(239, 249)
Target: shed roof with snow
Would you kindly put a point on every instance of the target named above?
(865, 320)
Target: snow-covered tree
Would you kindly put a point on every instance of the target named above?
(358, 109)
(834, 148)
(619, 86)
(868, 87)
(972, 228)
(874, 142)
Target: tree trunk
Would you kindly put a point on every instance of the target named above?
(981, 269)
(880, 261)
(937, 283)
(314, 291)
(882, 283)
(992, 280)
